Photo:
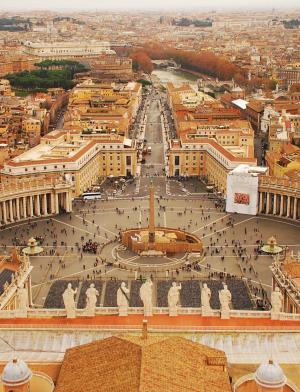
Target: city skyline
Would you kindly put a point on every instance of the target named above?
(147, 5)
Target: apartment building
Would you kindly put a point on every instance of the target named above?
(103, 108)
(83, 159)
(212, 140)
(66, 49)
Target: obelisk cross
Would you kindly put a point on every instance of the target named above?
(151, 213)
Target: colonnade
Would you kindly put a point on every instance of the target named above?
(18, 207)
(279, 204)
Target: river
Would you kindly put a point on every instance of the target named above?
(174, 76)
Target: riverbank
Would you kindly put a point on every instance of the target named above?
(165, 76)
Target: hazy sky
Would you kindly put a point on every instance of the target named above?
(139, 4)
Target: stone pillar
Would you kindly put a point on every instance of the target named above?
(18, 208)
(11, 213)
(24, 207)
(275, 204)
(68, 206)
(4, 212)
(37, 205)
(268, 203)
(52, 208)
(56, 203)
(30, 206)
(295, 208)
(288, 208)
(281, 205)
(44, 204)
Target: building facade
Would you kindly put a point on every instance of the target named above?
(65, 50)
(82, 159)
(25, 197)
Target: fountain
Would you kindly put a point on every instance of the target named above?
(32, 249)
(271, 247)
(158, 241)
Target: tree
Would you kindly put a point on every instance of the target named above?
(142, 61)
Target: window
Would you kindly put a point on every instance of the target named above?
(176, 159)
(128, 160)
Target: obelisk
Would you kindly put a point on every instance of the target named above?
(151, 214)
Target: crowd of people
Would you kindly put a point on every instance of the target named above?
(222, 238)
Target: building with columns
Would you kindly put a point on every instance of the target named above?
(83, 159)
(193, 156)
(279, 196)
(33, 196)
(67, 50)
(286, 276)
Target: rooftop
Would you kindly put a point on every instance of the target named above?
(151, 364)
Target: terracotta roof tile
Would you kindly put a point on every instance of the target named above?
(133, 364)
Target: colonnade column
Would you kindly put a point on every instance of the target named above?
(68, 202)
(24, 208)
(11, 214)
(275, 204)
(4, 212)
(30, 206)
(37, 206)
(281, 205)
(56, 204)
(295, 208)
(44, 203)
(268, 203)
(18, 208)
(288, 209)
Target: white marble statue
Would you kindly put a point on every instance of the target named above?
(225, 299)
(91, 300)
(276, 301)
(205, 300)
(173, 299)
(123, 299)
(22, 298)
(146, 297)
(69, 302)
(22, 301)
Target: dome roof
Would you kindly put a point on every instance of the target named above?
(270, 375)
(16, 372)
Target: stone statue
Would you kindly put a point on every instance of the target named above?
(173, 299)
(6, 286)
(205, 300)
(69, 302)
(22, 298)
(146, 297)
(123, 299)
(276, 301)
(225, 299)
(91, 300)
(21, 302)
